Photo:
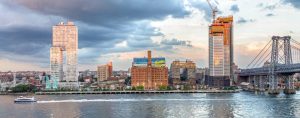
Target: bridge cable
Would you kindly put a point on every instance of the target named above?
(261, 56)
(296, 51)
(264, 59)
(296, 42)
(258, 54)
(295, 47)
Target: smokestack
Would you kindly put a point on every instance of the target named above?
(149, 58)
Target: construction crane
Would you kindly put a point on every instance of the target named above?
(213, 9)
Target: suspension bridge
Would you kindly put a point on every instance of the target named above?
(275, 64)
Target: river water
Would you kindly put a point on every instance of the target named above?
(198, 105)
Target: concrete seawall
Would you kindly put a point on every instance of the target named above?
(135, 92)
(18, 94)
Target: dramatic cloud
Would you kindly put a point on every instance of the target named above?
(234, 8)
(270, 14)
(243, 21)
(101, 25)
(270, 7)
(176, 42)
(24, 40)
(112, 29)
(259, 5)
(110, 13)
(202, 6)
(294, 3)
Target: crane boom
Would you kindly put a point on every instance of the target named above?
(214, 10)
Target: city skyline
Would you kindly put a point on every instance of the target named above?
(176, 29)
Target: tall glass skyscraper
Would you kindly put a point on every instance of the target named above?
(221, 52)
(64, 39)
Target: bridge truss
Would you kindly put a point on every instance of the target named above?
(278, 61)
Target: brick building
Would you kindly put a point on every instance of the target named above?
(149, 72)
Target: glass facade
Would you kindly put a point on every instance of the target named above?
(56, 63)
(51, 83)
(219, 57)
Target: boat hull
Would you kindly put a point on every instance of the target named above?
(24, 101)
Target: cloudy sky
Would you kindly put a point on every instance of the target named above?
(118, 30)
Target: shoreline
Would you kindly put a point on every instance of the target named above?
(135, 92)
(26, 93)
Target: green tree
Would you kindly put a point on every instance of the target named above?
(163, 87)
(169, 88)
(133, 88)
(22, 88)
(230, 88)
(140, 88)
(187, 87)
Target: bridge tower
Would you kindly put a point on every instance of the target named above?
(280, 55)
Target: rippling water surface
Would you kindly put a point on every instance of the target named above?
(244, 104)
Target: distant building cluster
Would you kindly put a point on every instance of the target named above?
(11, 79)
(149, 72)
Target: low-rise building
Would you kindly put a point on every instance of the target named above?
(116, 84)
(201, 75)
(183, 73)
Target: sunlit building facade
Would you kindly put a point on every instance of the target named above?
(221, 51)
(56, 63)
(64, 41)
(104, 71)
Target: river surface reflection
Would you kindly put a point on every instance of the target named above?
(244, 104)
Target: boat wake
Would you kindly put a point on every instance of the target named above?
(149, 99)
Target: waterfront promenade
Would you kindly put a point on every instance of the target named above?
(136, 92)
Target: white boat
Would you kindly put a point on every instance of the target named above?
(25, 99)
(245, 86)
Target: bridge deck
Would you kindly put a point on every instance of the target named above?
(281, 69)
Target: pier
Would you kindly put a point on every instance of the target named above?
(135, 92)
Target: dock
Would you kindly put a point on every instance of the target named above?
(135, 92)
